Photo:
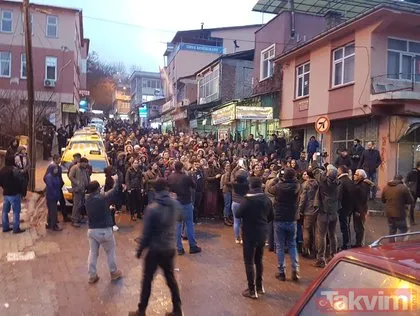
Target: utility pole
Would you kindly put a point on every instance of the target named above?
(30, 88)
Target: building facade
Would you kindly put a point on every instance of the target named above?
(121, 101)
(59, 57)
(191, 50)
(144, 86)
(364, 76)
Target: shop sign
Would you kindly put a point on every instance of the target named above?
(223, 115)
(254, 113)
(180, 115)
(193, 124)
(84, 93)
(201, 48)
(69, 108)
(167, 106)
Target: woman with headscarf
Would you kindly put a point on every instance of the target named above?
(53, 183)
(115, 203)
(212, 180)
(13, 147)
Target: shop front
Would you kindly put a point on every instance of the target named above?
(180, 118)
(69, 111)
(253, 120)
(167, 123)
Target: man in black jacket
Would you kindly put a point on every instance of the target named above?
(181, 185)
(11, 180)
(100, 229)
(348, 196)
(159, 238)
(355, 154)
(370, 162)
(286, 194)
(256, 212)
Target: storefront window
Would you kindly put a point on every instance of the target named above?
(343, 134)
(408, 152)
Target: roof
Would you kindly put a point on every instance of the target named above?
(380, 8)
(348, 8)
(145, 74)
(243, 55)
(200, 32)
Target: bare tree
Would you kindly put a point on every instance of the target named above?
(14, 110)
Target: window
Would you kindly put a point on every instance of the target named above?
(51, 68)
(144, 83)
(6, 21)
(302, 80)
(52, 26)
(343, 65)
(267, 65)
(403, 60)
(23, 71)
(5, 64)
(209, 86)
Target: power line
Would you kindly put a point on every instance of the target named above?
(172, 31)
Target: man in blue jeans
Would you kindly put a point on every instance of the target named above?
(12, 182)
(286, 192)
(181, 184)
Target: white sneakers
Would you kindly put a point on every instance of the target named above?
(115, 228)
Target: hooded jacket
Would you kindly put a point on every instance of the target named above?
(286, 199)
(328, 199)
(181, 184)
(159, 224)
(256, 212)
(53, 183)
(348, 195)
(79, 178)
(307, 198)
(396, 196)
(97, 208)
(239, 188)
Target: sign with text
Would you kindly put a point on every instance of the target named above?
(202, 48)
(180, 115)
(84, 93)
(167, 106)
(223, 115)
(69, 108)
(254, 113)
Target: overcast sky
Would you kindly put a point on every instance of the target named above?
(155, 23)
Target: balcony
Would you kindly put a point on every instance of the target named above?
(384, 88)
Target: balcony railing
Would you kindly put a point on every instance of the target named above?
(386, 83)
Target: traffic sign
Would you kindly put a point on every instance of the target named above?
(322, 125)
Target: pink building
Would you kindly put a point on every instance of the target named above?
(364, 75)
(59, 57)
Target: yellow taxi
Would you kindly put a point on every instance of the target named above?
(98, 161)
(80, 140)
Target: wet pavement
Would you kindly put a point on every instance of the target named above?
(55, 282)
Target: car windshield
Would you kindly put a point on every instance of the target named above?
(348, 280)
(98, 166)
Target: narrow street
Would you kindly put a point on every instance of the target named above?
(55, 281)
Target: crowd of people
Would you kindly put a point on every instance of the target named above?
(271, 193)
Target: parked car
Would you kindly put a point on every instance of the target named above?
(381, 278)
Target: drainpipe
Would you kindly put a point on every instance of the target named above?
(293, 19)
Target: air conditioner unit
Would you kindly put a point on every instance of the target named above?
(49, 83)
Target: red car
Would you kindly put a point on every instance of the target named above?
(376, 280)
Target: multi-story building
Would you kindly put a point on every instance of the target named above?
(145, 86)
(59, 52)
(364, 76)
(191, 50)
(121, 101)
(281, 33)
